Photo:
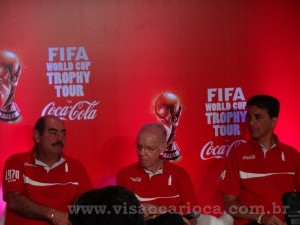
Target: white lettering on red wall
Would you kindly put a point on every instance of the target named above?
(69, 73)
(211, 151)
(225, 112)
(80, 110)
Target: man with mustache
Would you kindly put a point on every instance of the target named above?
(39, 185)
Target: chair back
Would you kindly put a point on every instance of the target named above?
(291, 204)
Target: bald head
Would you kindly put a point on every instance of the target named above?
(154, 128)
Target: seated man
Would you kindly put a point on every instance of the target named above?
(112, 205)
(261, 170)
(162, 187)
(38, 185)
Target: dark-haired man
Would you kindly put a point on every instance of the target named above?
(39, 185)
(259, 171)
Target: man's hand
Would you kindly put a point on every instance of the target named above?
(59, 218)
(28, 208)
(272, 220)
(151, 211)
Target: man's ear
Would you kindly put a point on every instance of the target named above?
(36, 136)
(274, 121)
(163, 147)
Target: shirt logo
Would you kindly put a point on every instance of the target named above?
(248, 157)
(136, 179)
(222, 175)
(29, 164)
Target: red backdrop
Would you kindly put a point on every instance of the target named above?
(119, 55)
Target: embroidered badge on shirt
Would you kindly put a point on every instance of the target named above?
(29, 164)
(248, 157)
(136, 179)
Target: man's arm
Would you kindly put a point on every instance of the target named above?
(233, 208)
(28, 208)
(151, 211)
(236, 210)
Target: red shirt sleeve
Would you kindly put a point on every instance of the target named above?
(229, 182)
(13, 176)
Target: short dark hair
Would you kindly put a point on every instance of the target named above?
(40, 124)
(265, 102)
(111, 205)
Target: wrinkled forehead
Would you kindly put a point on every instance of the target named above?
(54, 123)
(148, 136)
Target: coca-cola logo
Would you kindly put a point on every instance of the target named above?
(248, 157)
(211, 151)
(82, 110)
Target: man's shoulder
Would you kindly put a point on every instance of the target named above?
(20, 156)
(71, 160)
(171, 167)
(245, 146)
(131, 167)
(247, 143)
(287, 148)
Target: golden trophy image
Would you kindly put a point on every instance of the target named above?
(10, 70)
(168, 110)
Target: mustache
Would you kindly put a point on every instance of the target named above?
(58, 143)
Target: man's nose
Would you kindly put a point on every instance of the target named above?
(142, 151)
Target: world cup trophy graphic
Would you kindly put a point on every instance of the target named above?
(10, 71)
(168, 110)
